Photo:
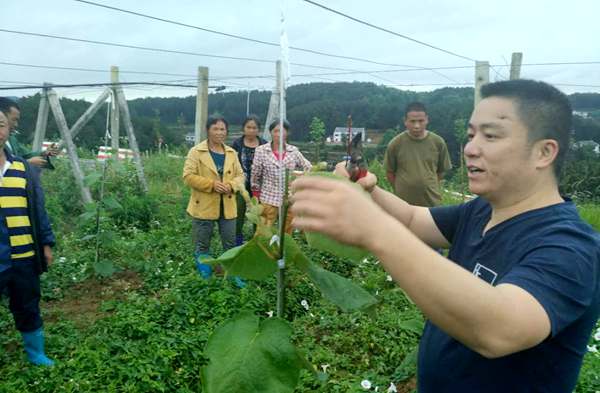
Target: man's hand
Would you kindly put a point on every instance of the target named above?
(337, 209)
(48, 255)
(40, 162)
(368, 182)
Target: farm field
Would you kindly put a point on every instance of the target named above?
(138, 320)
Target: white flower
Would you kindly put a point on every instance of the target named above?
(365, 260)
(392, 388)
(597, 335)
(62, 259)
(366, 384)
(324, 367)
(304, 304)
(388, 278)
(270, 314)
(592, 348)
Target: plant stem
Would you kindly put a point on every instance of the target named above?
(281, 261)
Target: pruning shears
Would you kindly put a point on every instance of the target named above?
(356, 165)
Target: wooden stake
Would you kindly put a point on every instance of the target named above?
(201, 105)
(124, 110)
(482, 77)
(61, 122)
(515, 65)
(42, 121)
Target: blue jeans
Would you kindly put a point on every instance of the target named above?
(202, 231)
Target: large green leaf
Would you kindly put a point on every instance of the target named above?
(337, 289)
(325, 243)
(255, 260)
(246, 355)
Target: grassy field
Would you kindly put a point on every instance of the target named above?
(143, 328)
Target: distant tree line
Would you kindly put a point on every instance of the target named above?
(371, 106)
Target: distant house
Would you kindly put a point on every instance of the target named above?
(592, 145)
(190, 138)
(342, 132)
(584, 114)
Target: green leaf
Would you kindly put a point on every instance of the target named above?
(246, 355)
(107, 237)
(325, 243)
(104, 268)
(92, 179)
(339, 290)
(111, 203)
(254, 260)
(87, 216)
(88, 237)
(414, 325)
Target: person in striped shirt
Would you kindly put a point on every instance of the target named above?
(25, 245)
(266, 168)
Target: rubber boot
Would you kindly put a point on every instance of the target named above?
(34, 348)
(238, 282)
(204, 269)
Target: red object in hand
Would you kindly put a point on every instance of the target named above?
(256, 193)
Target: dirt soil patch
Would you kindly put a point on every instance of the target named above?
(82, 302)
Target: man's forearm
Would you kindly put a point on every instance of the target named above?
(394, 206)
(482, 317)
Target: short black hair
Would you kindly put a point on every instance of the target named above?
(6, 103)
(253, 118)
(414, 107)
(276, 122)
(214, 120)
(545, 111)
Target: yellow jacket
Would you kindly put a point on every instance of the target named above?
(200, 172)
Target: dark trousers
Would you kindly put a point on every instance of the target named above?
(202, 231)
(22, 284)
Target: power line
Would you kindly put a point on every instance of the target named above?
(271, 76)
(25, 86)
(162, 50)
(388, 31)
(90, 69)
(239, 37)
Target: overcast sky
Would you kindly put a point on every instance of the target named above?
(548, 31)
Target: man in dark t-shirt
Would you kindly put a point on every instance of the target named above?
(515, 309)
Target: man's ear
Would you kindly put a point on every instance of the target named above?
(546, 152)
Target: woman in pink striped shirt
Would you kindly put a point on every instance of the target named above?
(265, 179)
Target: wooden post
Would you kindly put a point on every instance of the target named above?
(515, 65)
(87, 115)
(274, 110)
(482, 76)
(124, 110)
(61, 122)
(201, 105)
(114, 114)
(42, 121)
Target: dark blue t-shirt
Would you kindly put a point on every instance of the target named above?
(549, 252)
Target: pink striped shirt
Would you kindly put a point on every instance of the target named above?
(266, 168)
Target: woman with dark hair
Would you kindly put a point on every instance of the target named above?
(214, 174)
(245, 147)
(265, 177)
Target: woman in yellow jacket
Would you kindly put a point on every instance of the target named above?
(213, 172)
